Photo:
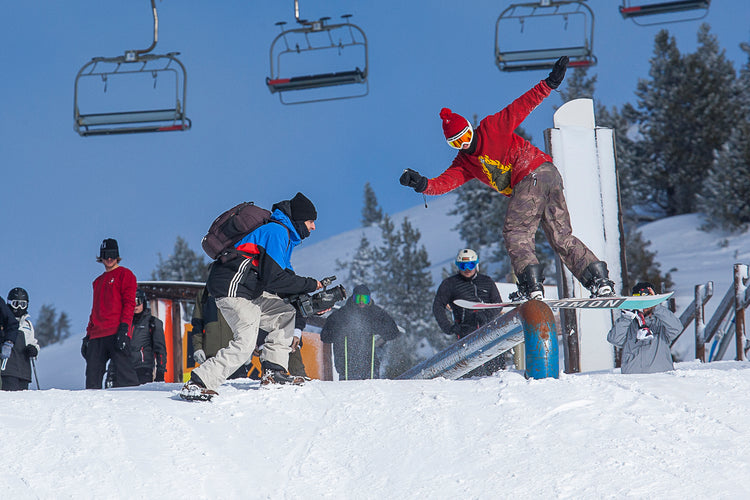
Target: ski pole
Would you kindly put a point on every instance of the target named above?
(346, 359)
(33, 365)
(372, 359)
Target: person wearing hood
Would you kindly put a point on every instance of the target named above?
(148, 348)
(16, 372)
(247, 288)
(355, 330)
(506, 162)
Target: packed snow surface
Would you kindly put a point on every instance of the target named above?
(681, 434)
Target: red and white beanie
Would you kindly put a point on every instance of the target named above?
(453, 124)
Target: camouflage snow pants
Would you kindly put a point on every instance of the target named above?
(539, 198)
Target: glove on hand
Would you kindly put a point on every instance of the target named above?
(628, 314)
(644, 332)
(84, 346)
(30, 351)
(413, 179)
(6, 349)
(122, 341)
(557, 74)
(199, 356)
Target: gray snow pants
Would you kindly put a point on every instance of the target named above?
(244, 317)
(539, 198)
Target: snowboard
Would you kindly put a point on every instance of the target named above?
(636, 302)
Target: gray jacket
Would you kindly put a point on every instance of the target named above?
(646, 356)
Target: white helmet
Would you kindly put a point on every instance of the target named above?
(469, 256)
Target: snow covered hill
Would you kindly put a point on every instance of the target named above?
(595, 435)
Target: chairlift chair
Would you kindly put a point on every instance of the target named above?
(698, 9)
(558, 12)
(134, 62)
(319, 38)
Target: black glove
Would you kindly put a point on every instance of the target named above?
(557, 74)
(30, 351)
(84, 346)
(413, 179)
(159, 376)
(122, 341)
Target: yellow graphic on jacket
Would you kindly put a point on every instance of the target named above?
(497, 173)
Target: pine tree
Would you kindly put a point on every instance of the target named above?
(183, 265)
(45, 326)
(726, 192)
(405, 290)
(684, 117)
(62, 326)
(578, 85)
(361, 269)
(371, 212)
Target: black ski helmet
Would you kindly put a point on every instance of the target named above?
(20, 298)
(140, 297)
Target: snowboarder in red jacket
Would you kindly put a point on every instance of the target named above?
(511, 165)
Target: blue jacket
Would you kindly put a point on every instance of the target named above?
(263, 263)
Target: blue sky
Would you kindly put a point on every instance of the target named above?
(62, 194)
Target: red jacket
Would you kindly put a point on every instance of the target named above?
(502, 158)
(114, 302)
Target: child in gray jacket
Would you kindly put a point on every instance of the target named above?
(645, 336)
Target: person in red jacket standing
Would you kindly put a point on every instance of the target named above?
(107, 334)
(511, 165)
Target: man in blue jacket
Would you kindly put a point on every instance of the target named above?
(246, 281)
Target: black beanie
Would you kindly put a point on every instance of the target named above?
(302, 208)
(109, 249)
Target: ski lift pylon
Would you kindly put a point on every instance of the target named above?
(664, 9)
(527, 59)
(315, 37)
(134, 62)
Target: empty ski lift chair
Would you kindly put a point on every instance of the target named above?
(560, 13)
(316, 37)
(134, 62)
(665, 12)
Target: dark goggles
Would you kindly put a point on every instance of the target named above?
(19, 304)
(362, 299)
(467, 265)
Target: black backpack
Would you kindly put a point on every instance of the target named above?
(231, 226)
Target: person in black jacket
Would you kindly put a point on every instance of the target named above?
(247, 281)
(17, 329)
(148, 349)
(468, 284)
(355, 331)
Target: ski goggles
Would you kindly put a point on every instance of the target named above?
(138, 301)
(362, 299)
(466, 265)
(19, 304)
(462, 139)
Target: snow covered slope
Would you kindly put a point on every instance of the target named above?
(676, 435)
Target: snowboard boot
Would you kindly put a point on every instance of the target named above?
(195, 390)
(530, 284)
(596, 279)
(274, 374)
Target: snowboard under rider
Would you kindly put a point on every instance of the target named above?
(511, 165)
